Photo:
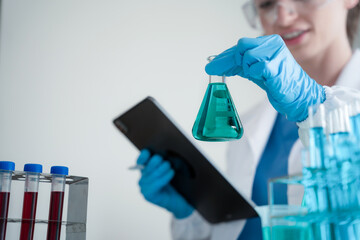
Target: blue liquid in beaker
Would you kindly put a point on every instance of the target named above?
(287, 232)
(217, 119)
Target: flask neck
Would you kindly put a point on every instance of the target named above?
(216, 79)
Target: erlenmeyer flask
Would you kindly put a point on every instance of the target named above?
(217, 119)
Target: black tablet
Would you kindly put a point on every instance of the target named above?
(147, 125)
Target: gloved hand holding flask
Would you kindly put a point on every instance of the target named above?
(156, 188)
(268, 63)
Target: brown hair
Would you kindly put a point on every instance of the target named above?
(352, 23)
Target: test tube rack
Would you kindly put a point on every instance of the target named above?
(76, 212)
(302, 221)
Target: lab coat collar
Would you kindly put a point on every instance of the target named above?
(350, 76)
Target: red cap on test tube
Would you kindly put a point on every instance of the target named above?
(6, 169)
(56, 201)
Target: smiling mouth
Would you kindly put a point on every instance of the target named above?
(292, 35)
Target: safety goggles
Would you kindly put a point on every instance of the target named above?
(268, 9)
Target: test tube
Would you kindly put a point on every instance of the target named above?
(30, 200)
(6, 169)
(317, 137)
(56, 201)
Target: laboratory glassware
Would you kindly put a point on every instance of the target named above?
(354, 113)
(217, 119)
(329, 178)
(56, 201)
(32, 178)
(316, 190)
(317, 136)
(342, 147)
(6, 169)
(276, 227)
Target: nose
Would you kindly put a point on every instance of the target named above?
(286, 13)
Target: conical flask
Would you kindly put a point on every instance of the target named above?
(217, 119)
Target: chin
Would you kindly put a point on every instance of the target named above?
(303, 52)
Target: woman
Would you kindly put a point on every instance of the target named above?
(318, 33)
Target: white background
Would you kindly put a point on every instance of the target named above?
(69, 67)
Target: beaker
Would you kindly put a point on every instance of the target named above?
(217, 119)
(283, 222)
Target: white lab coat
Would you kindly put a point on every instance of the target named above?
(243, 157)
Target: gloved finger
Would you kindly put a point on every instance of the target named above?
(227, 52)
(269, 41)
(236, 70)
(154, 175)
(268, 52)
(158, 199)
(143, 157)
(256, 71)
(224, 63)
(246, 44)
(231, 61)
(152, 164)
(154, 187)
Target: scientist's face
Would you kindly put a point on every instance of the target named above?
(308, 30)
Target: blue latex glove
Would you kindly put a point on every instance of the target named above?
(155, 185)
(268, 62)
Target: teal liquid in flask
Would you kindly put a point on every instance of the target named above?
(217, 119)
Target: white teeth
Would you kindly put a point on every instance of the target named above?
(292, 35)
